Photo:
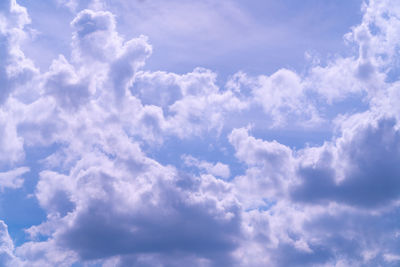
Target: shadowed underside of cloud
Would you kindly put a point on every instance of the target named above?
(103, 120)
(162, 219)
(369, 156)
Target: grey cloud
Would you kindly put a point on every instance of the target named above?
(122, 71)
(94, 38)
(158, 88)
(62, 82)
(287, 255)
(143, 210)
(88, 22)
(351, 234)
(371, 157)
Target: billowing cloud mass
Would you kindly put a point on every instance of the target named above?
(120, 164)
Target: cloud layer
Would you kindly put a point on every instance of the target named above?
(114, 196)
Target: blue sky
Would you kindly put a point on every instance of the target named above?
(199, 133)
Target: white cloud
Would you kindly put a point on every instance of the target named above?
(191, 103)
(12, 179)
(11, 145)
(391, 257)
(218, 169)
(269, 169)
(18, 69)
(7, 257)
(282, 96)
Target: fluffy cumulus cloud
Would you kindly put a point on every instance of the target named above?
(330, 205)
(133, 166)
(159, 211)
(7, 247)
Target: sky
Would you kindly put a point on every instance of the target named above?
(199, 133)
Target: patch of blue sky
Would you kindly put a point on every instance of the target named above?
(206, 148)
(19, 208)
(50, 32)
(257, 37)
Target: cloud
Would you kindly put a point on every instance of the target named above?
(95, 41)
(254, 200)
(191, 104)
(12, 179)
(219, 169)
(282, 96)
(269, 168)
(347, 187)
(7, 257)
(17, 69)
(361, 170)
(133, 206)
(11, 145)
(62, 82)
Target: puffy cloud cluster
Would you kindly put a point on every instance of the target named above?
(335, 204)
(219, 169)
(15, 69)
(108, 202)
(131, 205)
(7, 256)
